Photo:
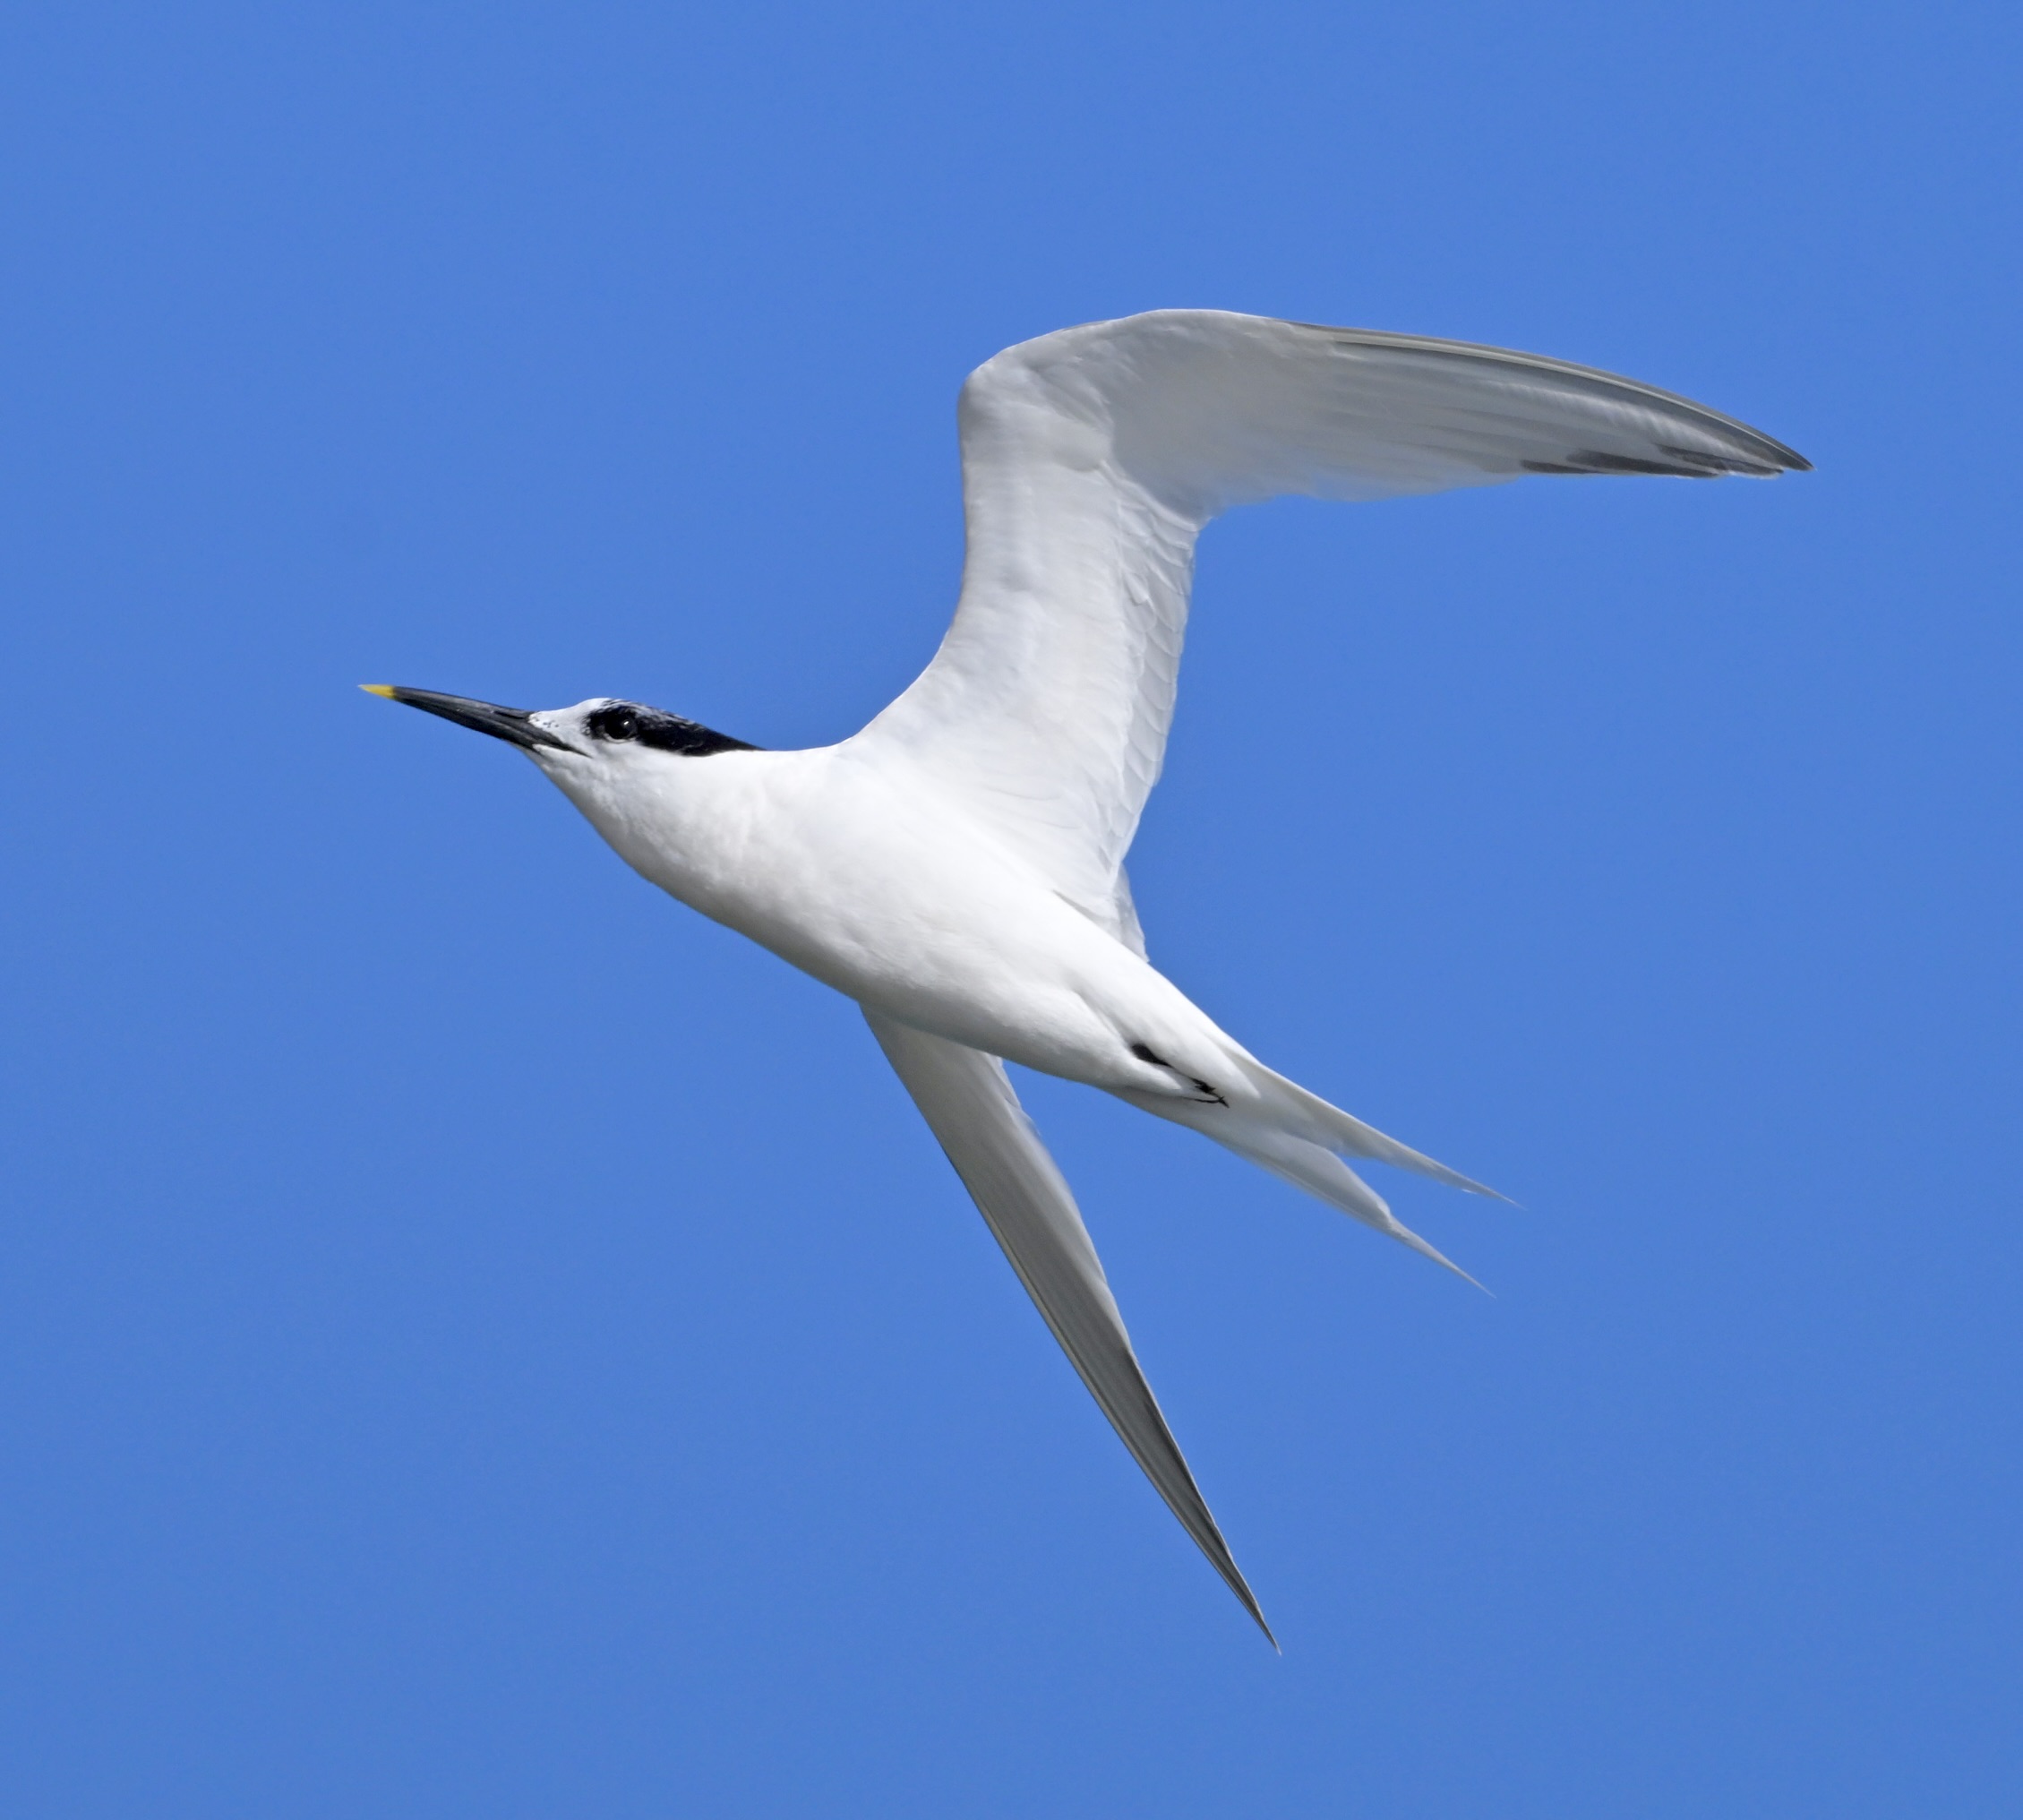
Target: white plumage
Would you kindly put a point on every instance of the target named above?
(958, 867)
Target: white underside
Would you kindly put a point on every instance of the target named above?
(958, 867)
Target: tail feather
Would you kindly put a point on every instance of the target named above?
(1318, 1122)
(1298, 1159)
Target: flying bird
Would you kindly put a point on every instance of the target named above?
(958, 867)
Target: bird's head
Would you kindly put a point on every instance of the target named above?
(601, 740)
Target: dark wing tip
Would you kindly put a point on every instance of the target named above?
(1600, 461)
(1685, 464)
(1764, 460)
(1732, 446)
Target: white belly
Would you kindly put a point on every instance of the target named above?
(902, 902)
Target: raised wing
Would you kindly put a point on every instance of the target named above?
(1092, 458)
(971, 1107)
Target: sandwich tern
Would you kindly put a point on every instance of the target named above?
(958, 866)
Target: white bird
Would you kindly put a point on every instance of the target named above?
(958, 867)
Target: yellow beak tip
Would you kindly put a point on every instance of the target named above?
(385, 689)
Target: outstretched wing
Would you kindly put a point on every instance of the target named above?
(971, 1107)
(1091, 460)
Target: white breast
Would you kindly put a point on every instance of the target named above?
(893, 894)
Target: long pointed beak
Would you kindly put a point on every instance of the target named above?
(513, 724)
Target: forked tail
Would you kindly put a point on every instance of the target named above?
(1302, 1139)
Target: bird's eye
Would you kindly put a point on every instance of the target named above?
(618, 724)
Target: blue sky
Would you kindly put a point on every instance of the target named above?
(477, 1340)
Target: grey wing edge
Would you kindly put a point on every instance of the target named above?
(969, 1104)
(1710, 445)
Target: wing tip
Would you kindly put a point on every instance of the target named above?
(1685, 464)
(1237, 1583)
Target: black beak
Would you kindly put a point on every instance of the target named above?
(513, 724)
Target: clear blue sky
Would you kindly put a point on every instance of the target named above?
(477, 1340)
